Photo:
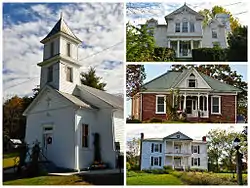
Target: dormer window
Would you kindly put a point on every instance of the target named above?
(177, 27)
(192, 81)
(68, 50)
(52, 49)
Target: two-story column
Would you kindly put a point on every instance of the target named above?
(178, 48)
(207, 107)
(185, 101)
(173, 155)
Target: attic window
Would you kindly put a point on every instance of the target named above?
(214, 34)
(191, 83)
(177, 136)
(191, 27)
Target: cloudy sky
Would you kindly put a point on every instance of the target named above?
(98, 25)
(195, 131)
(138, 13)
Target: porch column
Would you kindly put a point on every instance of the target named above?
(200, 44)
(184, 105)
(178, 48)
(198, 102)
(173, 146)
(183, 163)
(207, 107)
(173, 100)
(173, 162)
(168, 43)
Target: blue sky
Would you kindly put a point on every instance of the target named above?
(98, 25)
(138, 13)
(153, 71)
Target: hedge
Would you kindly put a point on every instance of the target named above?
(209, 54)
(164, 54)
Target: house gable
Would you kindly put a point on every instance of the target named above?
(177, 136)
(192, 76)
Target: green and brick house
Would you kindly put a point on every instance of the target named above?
(201, 97)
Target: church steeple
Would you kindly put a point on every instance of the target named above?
(60, 66)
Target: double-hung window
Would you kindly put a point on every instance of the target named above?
(216, 105)
(156, 161)
(185, 27)
(177, 27)
(85, 135)
(192, 27)
(214, 34)
(160, 104)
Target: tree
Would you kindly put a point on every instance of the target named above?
(237, 41)
(135, 75)
(210, 14)
(225, 74)
(91, 79)
(133, 152)
(140, 44)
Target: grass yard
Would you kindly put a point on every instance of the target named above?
(9, 160)
(181, 178)
(152, 179)
(48, 180)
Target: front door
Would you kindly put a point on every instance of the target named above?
(48, 143)
(184, 48)
(189, 106)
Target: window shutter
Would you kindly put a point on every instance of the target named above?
(159, 161)
(192, 148)
(198, 161)
(152, 148)
(160, 148)
(192, 161)
(152, 161)
(198, 149)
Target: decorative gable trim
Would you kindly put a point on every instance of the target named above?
(169, 137)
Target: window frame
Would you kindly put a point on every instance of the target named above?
(84, 136)
(156, 104)
(50, 74)
(195, 82)
(194, 149)
(178, 27)
(68, 49)
(214, 34)
(156, 161)
(70, 78)
(219, 105)
(182, 28)
(192, 29)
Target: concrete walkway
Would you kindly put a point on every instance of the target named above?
(106, 171)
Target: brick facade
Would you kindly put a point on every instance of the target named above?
(227, 110)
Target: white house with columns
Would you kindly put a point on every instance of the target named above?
(176, 150)
(66, 115)
(184, 30)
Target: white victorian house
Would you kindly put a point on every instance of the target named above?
(66, 114)
(184, 30)
(176, 150)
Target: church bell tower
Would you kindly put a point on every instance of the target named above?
(60, 67)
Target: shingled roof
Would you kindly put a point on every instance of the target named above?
(61, 26)
(168, 81)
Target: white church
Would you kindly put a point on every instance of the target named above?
(66, 114)
(184, 30)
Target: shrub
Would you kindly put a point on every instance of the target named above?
(164, 54)
(128, 166)
(209, 54)
(155, 120)
(135, 167)
(156, 171)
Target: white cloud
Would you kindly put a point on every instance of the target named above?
(97, 24)
(159, 12)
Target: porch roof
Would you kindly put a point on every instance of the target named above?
(169, 79)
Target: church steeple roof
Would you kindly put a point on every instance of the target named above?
(60, 26)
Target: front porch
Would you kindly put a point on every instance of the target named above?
(194, 105)
(183, 48)
(177, 163)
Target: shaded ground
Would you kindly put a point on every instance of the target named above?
(104, 179)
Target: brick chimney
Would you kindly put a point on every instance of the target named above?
(142, 137)
(204, 139)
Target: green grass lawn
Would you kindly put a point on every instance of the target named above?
(153, 179)
(9, 159)
(48, 180)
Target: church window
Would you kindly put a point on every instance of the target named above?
(50, 74)
(69, 74)
(68, 50)
(51, 49)
(85, 135)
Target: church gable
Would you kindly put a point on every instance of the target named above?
(178, 136)
(192, 80)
